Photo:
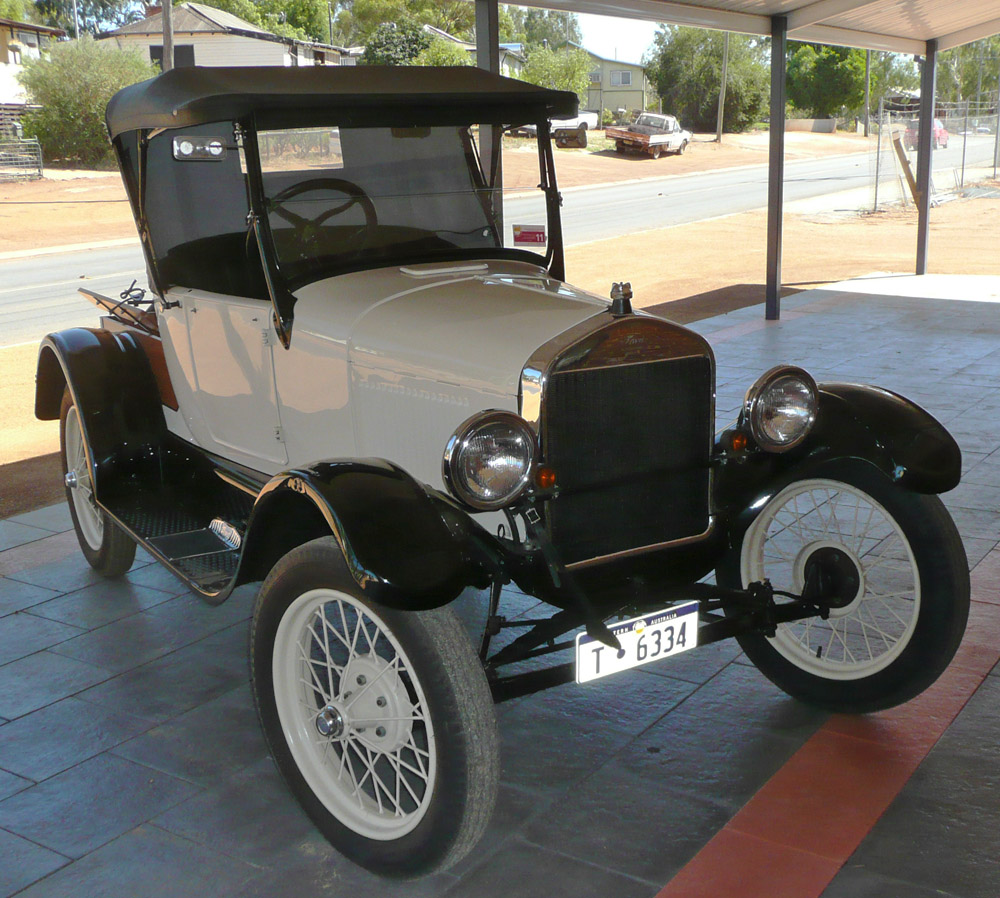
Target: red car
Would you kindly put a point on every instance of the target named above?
(912, 135)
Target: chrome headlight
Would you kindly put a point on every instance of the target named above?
(781, 408)
(488, 460)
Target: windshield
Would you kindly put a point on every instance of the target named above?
(343, 198)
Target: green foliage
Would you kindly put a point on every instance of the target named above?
(564, 69)
(964, 71)
(300, 19)
(539, 27)
(442, 52)
(685, 67)
(18, 10)
(395, 44)
(824, 80)
(73, 84)
(357, 20)
(95, 15)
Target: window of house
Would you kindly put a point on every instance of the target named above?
(183, 55)
(621, 79)
(595, 77)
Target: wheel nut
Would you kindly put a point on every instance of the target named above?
(362, 679)
(380, 701)
(380, 732)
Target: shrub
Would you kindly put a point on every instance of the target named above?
(73, 83)
(442, 52)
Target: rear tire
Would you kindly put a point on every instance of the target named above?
(108, 549)
(380, 720)
(655, 152)
(908, 599)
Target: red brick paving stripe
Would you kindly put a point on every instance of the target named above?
(795, 834)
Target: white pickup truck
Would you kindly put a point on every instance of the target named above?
(582, 121)
(651, 133)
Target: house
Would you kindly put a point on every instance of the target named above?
(616, 84)
(511, 55)
(20, 41)
(210, 37)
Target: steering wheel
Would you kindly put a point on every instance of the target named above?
(307, 229)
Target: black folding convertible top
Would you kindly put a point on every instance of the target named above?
(362, 95)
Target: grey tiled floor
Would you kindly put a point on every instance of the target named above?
(131, 762)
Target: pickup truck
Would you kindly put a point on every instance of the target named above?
(582, 121)
(650, 133)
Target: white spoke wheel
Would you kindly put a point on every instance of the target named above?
(108, 549)
(901, 582)
(379, 719)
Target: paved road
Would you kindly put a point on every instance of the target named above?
(38, 295)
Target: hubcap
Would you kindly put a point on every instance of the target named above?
(330, 723)
(830, 575)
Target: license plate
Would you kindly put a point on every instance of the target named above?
(643, 640)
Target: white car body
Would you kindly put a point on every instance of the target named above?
(383, 394)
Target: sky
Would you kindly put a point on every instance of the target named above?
(624, 39)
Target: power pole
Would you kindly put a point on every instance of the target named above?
(722, 89)
(76, 21)
(168, 36)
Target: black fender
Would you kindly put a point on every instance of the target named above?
(113, 387)
(406, 545)
(897, 436)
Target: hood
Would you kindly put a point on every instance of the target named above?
(469, 324)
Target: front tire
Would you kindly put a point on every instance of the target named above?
(380, 720)
(108, 549)
(904, 613)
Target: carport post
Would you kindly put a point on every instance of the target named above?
(776, 167)
(928, 80)
(488, 57)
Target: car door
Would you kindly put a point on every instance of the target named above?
(222, 348)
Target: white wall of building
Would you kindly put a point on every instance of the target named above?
(10, 90)
(222, 49)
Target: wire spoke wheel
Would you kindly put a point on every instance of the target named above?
(354, 714)
(877, 621)
(81, 491)
(379, 719)
(108, 549)
(888, 566)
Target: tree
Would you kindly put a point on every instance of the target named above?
(357, 20)
(824, 80)
(685, 66)
(539, 27)
(395, 44)
(94, 15)
(73, 83)
(300, 19)
(964, 71)
(565, 69)
(18, 10)
(442, 52)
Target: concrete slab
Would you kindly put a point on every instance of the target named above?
(132, 747)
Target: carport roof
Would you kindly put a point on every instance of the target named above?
(903, 26)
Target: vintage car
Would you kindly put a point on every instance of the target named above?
(360, 377)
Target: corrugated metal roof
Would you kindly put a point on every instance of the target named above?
(901, 25)
(192, 18)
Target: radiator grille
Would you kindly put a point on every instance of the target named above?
(630, 447)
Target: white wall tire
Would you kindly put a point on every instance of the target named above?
(897, 631)
(107, 548)
(380, 720)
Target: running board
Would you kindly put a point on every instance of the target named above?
(186, 515)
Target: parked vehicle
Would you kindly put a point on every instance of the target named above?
(650, 133)
(581, 122)
(912, 136)
(348, 383)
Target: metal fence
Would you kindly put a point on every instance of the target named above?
(20, 159)
(966, 152)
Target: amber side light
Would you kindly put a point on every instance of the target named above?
(739, 442)
(545, 478)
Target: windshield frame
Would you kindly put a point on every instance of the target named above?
(281, 288)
